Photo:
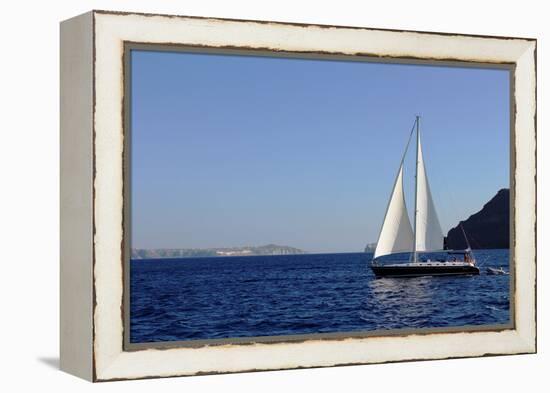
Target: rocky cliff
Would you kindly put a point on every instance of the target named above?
(488, 228)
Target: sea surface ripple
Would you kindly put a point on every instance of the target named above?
(226, 297)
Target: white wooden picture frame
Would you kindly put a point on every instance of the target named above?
(93, 194)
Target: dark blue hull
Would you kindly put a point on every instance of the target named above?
(415, 271)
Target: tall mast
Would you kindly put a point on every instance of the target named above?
(416, 186)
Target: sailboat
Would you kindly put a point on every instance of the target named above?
(397, 236)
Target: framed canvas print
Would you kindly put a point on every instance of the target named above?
(246, 195)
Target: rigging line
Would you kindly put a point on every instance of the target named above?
(408, 143)
(450, 194)
(465, 237)
(396, 176)
(472, 238)
(415, 254)
(467, 242)
(468, 237)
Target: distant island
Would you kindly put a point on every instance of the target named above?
(371, 247)
(157, 253)
(488, 228)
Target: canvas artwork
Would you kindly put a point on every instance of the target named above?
(243, 195)
(273, 198)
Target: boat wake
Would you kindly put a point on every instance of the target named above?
(497, 271)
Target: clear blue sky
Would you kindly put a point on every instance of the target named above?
(240, 150)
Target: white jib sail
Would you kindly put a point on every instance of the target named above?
(396, 234)
(429, 236)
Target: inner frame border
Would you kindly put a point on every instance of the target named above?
(129, 46)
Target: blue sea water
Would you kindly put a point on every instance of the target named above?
(226, 297)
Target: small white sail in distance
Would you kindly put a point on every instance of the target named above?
(429, 236)
(396, 234)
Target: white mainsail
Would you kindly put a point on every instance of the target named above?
(396, 234)
(428, 233)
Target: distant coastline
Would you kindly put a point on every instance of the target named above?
(269, 249)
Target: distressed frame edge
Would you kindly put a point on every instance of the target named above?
(526, 134)
(304, 24)
(526, 339)
(76, 196)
